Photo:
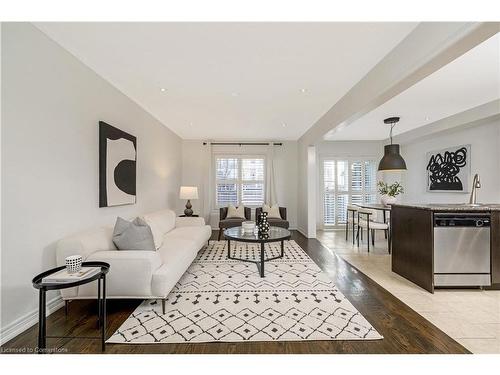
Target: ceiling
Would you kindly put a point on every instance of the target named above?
(236, 81)
(471, 80)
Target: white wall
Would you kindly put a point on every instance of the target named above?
(312, 185)
(51, 105)
(286, 179)
(302, 196)
(485, 160)
(196, 169)
(196, 159)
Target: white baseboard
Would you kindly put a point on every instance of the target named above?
(21, 324)
(301, 232)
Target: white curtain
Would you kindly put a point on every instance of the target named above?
(207, 186)
(271, 196)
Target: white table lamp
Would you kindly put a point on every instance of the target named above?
(188, 192)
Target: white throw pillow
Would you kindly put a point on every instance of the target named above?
(233, 212)
(273, 212)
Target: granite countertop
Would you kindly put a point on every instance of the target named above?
(451, 206)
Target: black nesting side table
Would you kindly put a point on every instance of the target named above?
(101, 301)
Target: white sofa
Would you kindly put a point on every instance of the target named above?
(138, 273)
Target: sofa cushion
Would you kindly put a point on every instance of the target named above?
(130, 273)
(133, 235)
(198, 235)
(160, 222)
(172, 245)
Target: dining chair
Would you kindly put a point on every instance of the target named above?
(366, 220)
(351, 221)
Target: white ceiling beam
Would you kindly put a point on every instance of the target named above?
(426, 49)
(485, 113)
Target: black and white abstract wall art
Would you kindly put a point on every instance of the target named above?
(117, 166)
(448, 170)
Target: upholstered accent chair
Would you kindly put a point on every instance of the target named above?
(274, 222)
(225, 222)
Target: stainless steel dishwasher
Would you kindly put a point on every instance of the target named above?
(461, 249)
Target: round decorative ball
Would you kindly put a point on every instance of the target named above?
(74, 263)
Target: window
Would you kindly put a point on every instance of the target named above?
(239, 180)
(346, 181)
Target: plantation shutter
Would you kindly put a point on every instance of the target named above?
(370, 181)
(329, 191)
(356, 176)
(239, 180)
(342, 189)
(252, 185)
(226, 186)
(345, 182)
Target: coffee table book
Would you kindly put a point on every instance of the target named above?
(63, 276)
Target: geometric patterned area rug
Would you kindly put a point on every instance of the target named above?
(226, 300)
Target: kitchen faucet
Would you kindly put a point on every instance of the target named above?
(476, 184)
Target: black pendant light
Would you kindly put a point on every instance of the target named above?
(392, 159)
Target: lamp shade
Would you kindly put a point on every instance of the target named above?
(392, 159)
(188, 192)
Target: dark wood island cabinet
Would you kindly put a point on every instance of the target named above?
(412, 228)
(495, 249)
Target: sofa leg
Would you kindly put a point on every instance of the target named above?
(163, 301)
(220, 232)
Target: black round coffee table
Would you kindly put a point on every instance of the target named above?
(275, 234)
(43, 287)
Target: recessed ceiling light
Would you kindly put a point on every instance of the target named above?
(303, 90)
(163, 89)
(427, 118)
(284, 125)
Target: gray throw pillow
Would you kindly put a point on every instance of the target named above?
(133, 235)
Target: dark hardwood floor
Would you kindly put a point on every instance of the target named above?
(403, 329)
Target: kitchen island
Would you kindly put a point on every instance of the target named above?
(417, 248)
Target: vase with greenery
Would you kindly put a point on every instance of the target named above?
(389, 192)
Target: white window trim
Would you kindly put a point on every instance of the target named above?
(349, 192)
(238, 181)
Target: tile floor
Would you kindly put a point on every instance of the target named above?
(471, 317)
